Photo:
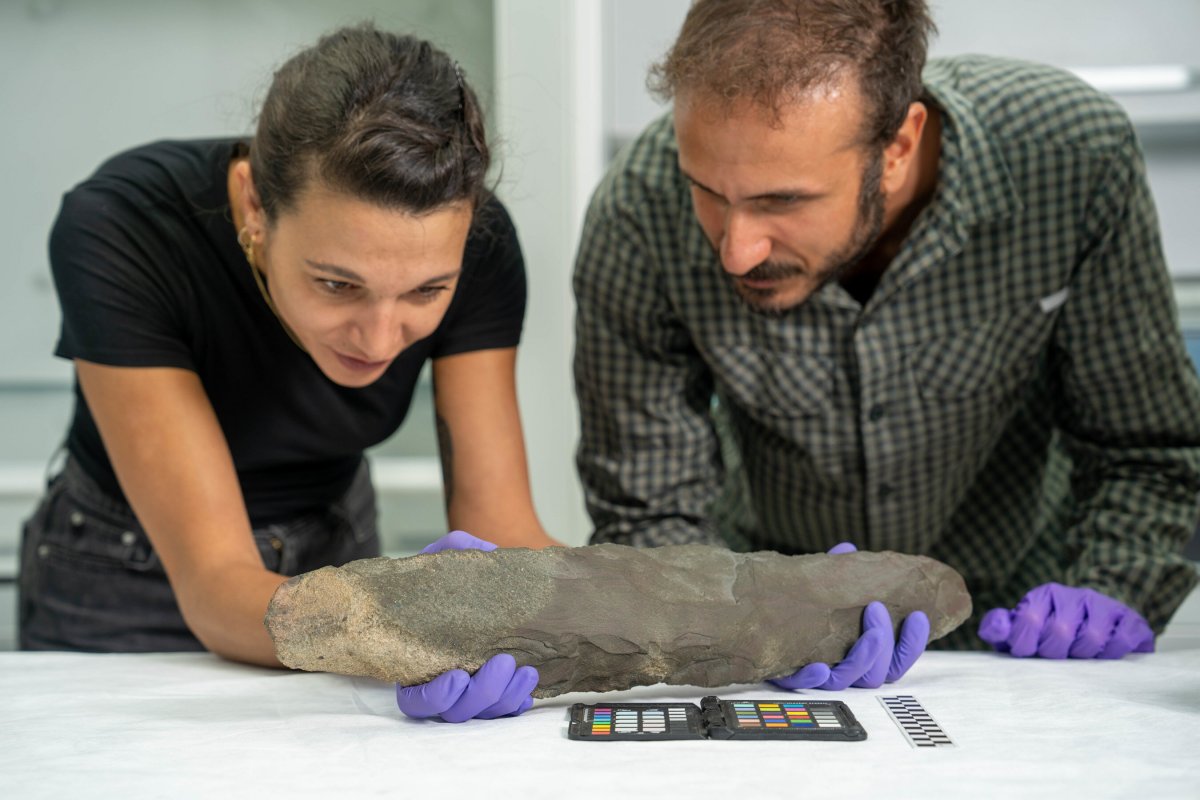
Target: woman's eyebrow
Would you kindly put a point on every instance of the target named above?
(443, 277)
(354, 277)
(334, 269)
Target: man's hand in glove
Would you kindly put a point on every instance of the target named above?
(1056, 621)
(876, 658)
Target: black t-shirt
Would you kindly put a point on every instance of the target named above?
(149, 273)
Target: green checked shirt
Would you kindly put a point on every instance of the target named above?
(1014, 399)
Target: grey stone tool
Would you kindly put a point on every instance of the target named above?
(603, 617)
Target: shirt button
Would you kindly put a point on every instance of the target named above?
(876, 413)
(76, 518)
(276, 543)
(128, 538)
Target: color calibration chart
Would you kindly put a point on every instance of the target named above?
(827, 720)
(716, 719)
(635, 721)
(791, 714)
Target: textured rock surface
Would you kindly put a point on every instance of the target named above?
(603, 617)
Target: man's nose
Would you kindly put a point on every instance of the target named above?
(744, 243)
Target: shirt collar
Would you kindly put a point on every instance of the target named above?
(974, 182)
(974, 186)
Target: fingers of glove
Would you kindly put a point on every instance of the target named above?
(458, 540)
(485, 688)
(431, 699)
(1028, 619)
(807, 677)
(876, 617)
(914, 638)
(513, 699)
(843, 547)
(1131, 633)
(1063, 623)
(995, 627)
(1101, 615)
(870, 647)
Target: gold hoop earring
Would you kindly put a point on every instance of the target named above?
(246, 240)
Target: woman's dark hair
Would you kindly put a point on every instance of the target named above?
(773, 51)
(385, 118)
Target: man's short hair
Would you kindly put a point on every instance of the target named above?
(773, 52)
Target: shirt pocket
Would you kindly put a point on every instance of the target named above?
(779, 385)
(992, 359)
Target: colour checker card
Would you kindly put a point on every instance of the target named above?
(914, 721)
(822, 720)
(613, 722)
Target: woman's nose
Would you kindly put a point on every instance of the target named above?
(381, 332)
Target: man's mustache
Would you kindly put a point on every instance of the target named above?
(772, 271)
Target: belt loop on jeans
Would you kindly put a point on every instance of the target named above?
(56, 463)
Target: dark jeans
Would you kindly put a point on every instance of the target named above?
(91, 581)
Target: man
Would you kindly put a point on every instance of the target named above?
(932, 307)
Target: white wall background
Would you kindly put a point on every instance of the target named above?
(548, 81)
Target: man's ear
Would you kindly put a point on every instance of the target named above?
(900, 154)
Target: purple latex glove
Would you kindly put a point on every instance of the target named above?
(875, 658)
(1056, 621)
(497, 689)
(457, 540)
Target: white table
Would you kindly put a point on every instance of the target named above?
(183, 725)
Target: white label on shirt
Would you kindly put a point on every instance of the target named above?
(1053, 301)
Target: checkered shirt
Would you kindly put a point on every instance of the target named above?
(1014, 399)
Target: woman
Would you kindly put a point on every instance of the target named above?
(245, 319)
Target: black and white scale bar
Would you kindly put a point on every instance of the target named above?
(914, 721)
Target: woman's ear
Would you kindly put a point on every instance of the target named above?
(248, 200)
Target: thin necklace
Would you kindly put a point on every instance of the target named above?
(247, 244)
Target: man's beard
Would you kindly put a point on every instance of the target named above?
(863, 238)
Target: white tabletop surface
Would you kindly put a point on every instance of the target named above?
(193, 725)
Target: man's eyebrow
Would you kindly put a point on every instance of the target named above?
(692, 180)
(777, 194)
(353, 277)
